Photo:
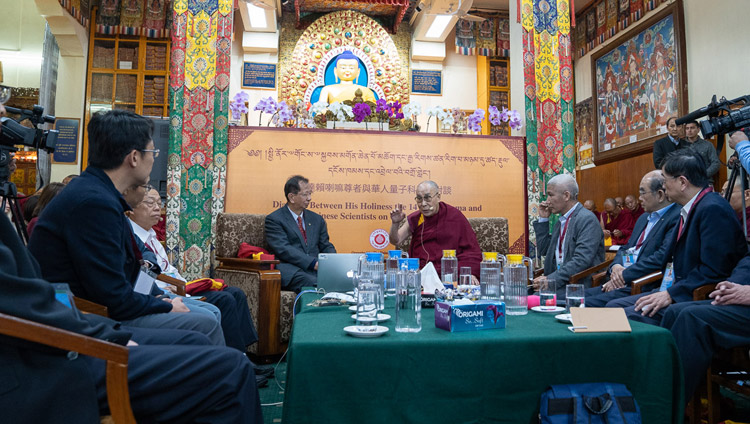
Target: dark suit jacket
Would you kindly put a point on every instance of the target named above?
(84, 239)
(287, 243)
(712, 243)
(583, 246)
(655, 246)
(663, 147)
(39, 384)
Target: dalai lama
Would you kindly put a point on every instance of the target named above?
(435, 227)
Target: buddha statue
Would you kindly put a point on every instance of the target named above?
(346, 69)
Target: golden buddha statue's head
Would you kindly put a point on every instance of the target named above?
(346, 69)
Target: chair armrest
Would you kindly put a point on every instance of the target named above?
(246, 264)
(575, 278)
(178, 284)
(701, 293)
(90, 307)
(598, 279)
(639, 283)
(115, 355)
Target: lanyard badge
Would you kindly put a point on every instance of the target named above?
(668, 279)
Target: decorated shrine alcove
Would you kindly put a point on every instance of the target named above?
(325, 39)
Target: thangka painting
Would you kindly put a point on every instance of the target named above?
(583, 118)
(638, 87)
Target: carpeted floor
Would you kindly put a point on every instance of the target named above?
(273, 396)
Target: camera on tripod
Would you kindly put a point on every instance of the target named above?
(13, 133)
(723, 116)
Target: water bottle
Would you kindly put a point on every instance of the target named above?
(490, 283)
(516, 279)
(408, 296)
(371, 268)
(449, 268)
(391, 269)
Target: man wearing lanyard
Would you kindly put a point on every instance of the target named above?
(706, 246)
(649, 243)
(577, 241)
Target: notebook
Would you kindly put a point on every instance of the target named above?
(333, 271)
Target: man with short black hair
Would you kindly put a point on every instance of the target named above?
(704, 148)
(706, 247)
(297, 235)
(84, 239)
(668, 144)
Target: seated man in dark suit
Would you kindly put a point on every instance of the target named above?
(296, 235)
(84, 239)
(645, 251)
(706, 247)
(701, 328)
(577, 241)
(173, 375)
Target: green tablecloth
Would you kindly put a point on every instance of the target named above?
(483, 376)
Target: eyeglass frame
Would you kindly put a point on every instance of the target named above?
(427, 198)
(154, 151)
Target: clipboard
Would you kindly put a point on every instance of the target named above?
(599, 320)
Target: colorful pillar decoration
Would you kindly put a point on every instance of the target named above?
(199, 109)
(548, 88)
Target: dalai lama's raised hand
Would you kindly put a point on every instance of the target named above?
(398, 215)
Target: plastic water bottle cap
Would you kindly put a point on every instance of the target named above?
(394, 254)
(413, 264)
(403, 263)
(449, 253)
(374, 256)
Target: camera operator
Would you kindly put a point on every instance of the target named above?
(738, 141)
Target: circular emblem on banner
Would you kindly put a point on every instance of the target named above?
(379, 238)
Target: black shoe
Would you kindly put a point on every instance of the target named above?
(267, 372)
(261, 381)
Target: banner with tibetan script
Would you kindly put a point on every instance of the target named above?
(358, 177)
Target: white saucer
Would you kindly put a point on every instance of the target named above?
(539, 309)
(564, 318)
(350, 293)
(356, 331)
(381, 317)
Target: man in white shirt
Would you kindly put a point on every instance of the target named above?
(239, 331)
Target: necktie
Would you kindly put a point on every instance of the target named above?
(302, 228)
(640, 239)
(682, 223)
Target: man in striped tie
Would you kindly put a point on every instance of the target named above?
(296, 235)
(705, 246)
(645, 250)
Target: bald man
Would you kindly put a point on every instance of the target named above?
(434, 227)
(633, 207)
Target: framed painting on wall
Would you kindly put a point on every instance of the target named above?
(639, 81)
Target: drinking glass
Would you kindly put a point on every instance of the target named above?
(548, 295)
(574, 297)
(464, 279)
(368, 299)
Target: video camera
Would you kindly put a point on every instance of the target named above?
(13, 133)
(732, 119)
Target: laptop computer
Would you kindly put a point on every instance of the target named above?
(333, 270)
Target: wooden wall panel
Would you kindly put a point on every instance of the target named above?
(623, 177)
(613, 179)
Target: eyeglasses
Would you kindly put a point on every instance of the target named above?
(643, 193)
(147, 187)
(151, 203)
(427, 198)
(154, 151)
(305, 193)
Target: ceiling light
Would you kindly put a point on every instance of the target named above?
(257, 16)
(439, 24)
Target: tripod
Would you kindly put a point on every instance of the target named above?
(738, 170)
(9, 194)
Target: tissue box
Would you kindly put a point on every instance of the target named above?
(481, 315)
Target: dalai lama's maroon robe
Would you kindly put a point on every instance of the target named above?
(624, 222)
(448, 229)
(635, 213)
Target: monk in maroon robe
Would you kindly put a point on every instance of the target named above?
(617, 224)
(633, 207)
(435, 227)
